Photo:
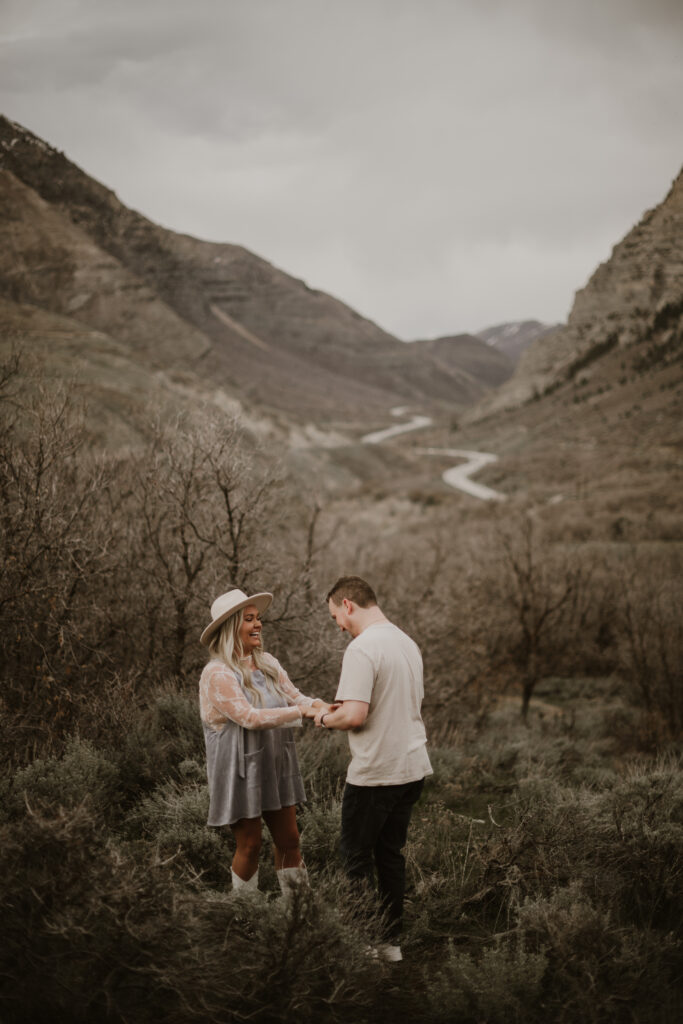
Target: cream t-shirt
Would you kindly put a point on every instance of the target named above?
(383, 667)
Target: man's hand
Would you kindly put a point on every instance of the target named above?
(349, 714)
(327, 710)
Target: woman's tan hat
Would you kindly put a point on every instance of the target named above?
(227, 604)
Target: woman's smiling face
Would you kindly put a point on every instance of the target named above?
(250, 629)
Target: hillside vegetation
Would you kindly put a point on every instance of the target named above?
(544, 858)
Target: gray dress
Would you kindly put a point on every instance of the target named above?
(251, 770)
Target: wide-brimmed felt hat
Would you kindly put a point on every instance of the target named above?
(227, 604)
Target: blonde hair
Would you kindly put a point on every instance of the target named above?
(226, 646)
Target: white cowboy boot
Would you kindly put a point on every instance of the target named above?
(239, 884)
(389, 952)
(291, 878)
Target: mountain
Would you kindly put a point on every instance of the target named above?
(631, 311)
(467, 355)
(588, 430)
(134, 317)
(513, 338)
(216, 312)
(117, 390)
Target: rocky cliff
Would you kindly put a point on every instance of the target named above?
(633, 302)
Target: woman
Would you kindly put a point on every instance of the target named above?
(248, 705)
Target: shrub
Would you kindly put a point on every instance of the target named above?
(55, 563)
(81, 924)
(165, 734)
(320, 831)
(91, 932)
(597, 969)
(173, 821)
(109, 565)
(82, 775)
(650, 632)
(620, 840)
(501, 986)
(323, 759)
(637, 861)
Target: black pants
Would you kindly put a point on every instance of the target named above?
(374, 828)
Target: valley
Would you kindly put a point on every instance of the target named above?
(181, 417)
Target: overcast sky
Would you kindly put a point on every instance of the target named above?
(440, 165)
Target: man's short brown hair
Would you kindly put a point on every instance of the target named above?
(353, 588)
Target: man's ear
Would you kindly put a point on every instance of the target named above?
(347, 605)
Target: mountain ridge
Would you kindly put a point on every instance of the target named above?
(468, 353)
(216, 304)
(513, 337)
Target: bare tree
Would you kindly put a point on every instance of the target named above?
(201, 502)
(52, 561)
(650, 634)
(9, 370)
(544, 590)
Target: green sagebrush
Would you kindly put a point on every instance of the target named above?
(93, 930)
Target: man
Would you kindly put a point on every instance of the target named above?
(378, 702)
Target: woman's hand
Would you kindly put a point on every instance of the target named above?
(308, 711)
(320, 707)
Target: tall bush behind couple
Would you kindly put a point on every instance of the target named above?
(249, 707)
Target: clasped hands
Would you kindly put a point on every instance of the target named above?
(317, 709)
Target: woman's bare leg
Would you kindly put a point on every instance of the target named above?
(283, 828)
(247, 833)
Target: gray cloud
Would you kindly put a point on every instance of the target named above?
(439, 165)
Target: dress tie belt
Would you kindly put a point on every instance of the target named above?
(241, 760)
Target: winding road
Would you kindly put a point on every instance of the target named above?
(401, 428)
(458, 476)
